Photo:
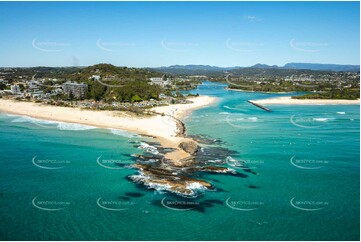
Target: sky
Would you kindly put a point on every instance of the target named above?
(153, 34)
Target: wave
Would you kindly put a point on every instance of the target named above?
(322, 119)
(75, 127)
(341, 112)
(229, 107)
(215, 161)
(230, 159)
(27, 119)
(224, 113)
(253, 119)
(196, 186)
(233, 162)
(148, 148)
(50, 124)
(123, 133)
(250, 119)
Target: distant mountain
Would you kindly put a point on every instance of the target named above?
(192, 69)
(311, 66)
(274, 72)
(323, 67)
(264, 66)
(214, 70)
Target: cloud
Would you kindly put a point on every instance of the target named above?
(252, 18)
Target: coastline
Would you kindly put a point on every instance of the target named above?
(290, 101)
(163, 128)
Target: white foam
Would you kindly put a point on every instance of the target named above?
(194, 186)
(231, 159)
(123, 133)
(341, 112)
(150, 149)
(26, 119)
(233, 162)
(253, 119)
(250, 119)
(223, 113)
(75, 127)
(322, 119)
(47, 123)
(229, 107)
(160, 187)
(214, 161)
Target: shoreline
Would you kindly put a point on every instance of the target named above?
(288, 100)
(163, 128)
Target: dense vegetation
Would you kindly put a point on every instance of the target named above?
(119, 83)
(350, 94)
(114, 73)
(131, 91)
(318, 90)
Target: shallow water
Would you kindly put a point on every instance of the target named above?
(69, 182)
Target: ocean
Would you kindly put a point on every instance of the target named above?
(61, 181)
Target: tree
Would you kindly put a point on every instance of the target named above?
(136, 98)
(97, 91)
(2, 86)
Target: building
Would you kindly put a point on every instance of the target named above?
(15, 89)
(95, 77)
(33, 85)
(78, 90)
(159, 81)
(37, 94)
(162, 95)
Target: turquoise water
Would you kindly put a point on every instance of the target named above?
(59, 182)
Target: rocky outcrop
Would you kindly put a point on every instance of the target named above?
(168, 180)
(191, 147)
(185, 162)
(178, 170)
(181, 128)
(217, 169)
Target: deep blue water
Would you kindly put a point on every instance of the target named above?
(304, 186)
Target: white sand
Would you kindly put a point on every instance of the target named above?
(289, 101)
(181, 110)
(162, 127)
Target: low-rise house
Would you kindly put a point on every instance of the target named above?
(94, 78)
(162, 95)
(37, 94)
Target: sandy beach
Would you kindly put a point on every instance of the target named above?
(289, 101)
(164, 128)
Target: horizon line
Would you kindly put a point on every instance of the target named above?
(271, 65)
